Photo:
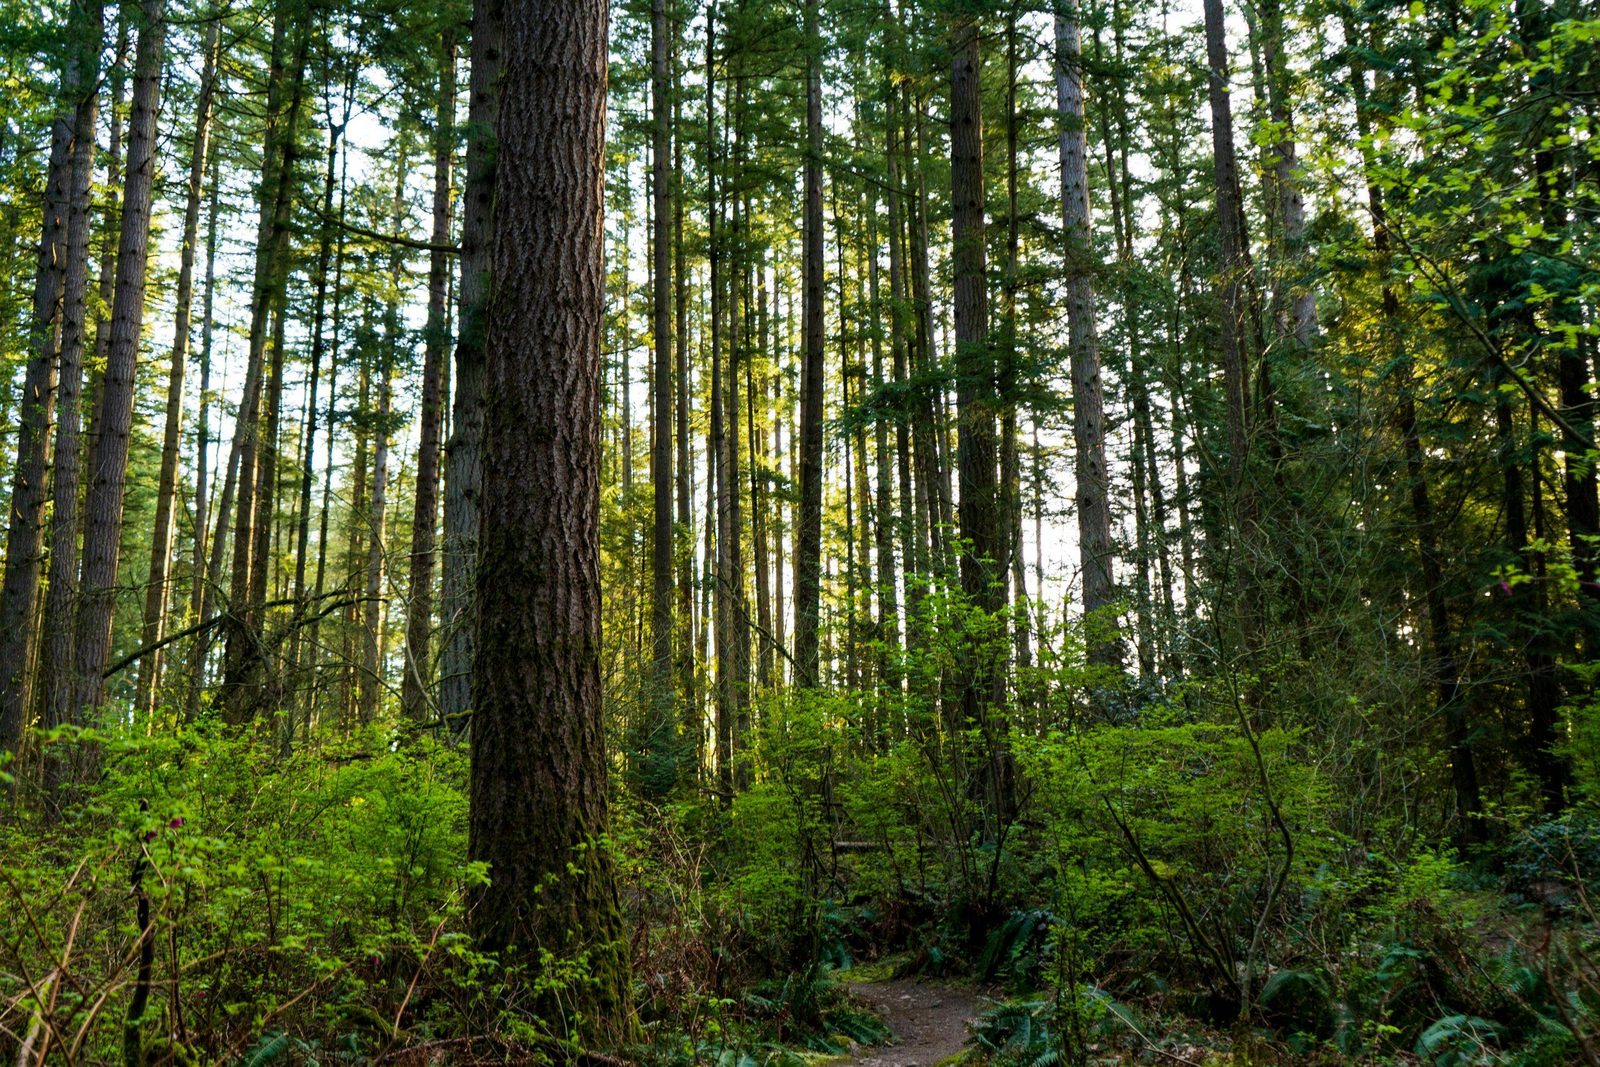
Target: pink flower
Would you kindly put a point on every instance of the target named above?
(1505, 587)
(150, 836)
(175, 823)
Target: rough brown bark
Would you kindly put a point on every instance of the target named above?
(660, 733)
(108, 471)
(55, 685)
(538, 783)
(463, 454)
(1095, 548)
(19, 587)
(808, 536)
(981, 584)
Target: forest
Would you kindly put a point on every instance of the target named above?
(800, 533)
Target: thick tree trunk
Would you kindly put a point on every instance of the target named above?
(414, 689)
(108, 471)
(109, 230)
(158, 590)
(538, 795)
(55, 686)
(19, 587)
(981, 584)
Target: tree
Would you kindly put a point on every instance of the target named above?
(977, 401)
(661, 728)
(425, 514)
(1088, 420)
(464, 452)
(108, 470)
(808, 533)
(158, 590)
(19, 589)
(538, 817)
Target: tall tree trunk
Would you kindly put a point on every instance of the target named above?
(373, 603)
(759, 499)
(306, 602)
(1294, 301)
(19, 587)
(201, 583)
(984, 589)
(1230, 233)
(683, 471)
(158, 589)
(538, 814)
(243, 654)
(109, 470)
(1095, 548)
(109, 232)
(885, 523)
(660, 732)
(808, 536)
(58, 626)
(414, 689)
(1010, 354)
(464, 455)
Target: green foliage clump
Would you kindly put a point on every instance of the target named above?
(308, 907)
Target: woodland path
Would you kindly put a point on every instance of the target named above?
(929, 1022)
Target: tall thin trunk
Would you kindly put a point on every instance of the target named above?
(759, 499)
(1294, 300)
(1230, 218)
(885, 523)
(108, 471)
(464, 453)
(661, 728)
(200, 591)
(242, 658)
(683, 471)
(808, 537)
(158, 589)
(372, 686)
(1095, 548)
(415, 687)
(332, 180)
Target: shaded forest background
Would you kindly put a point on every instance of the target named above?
(1093, 497)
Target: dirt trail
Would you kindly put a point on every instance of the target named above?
(929, 1022)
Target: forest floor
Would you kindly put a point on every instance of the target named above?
(929, 1021)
